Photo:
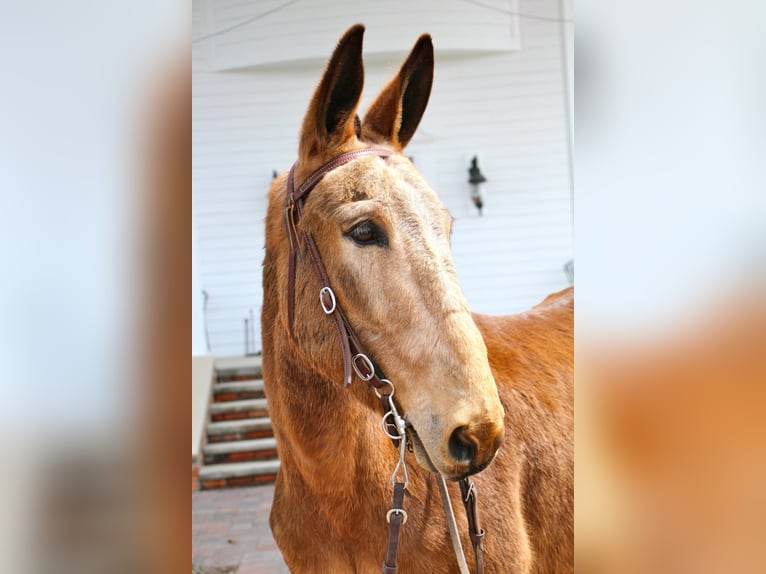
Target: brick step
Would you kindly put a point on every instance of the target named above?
(237, 410)
(238, 474)
(238, 390)
(245, 429)
(240, 450)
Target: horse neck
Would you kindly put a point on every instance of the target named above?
(331, 435)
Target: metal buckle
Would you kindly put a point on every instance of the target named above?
(367, 363)
(333, 305)
(396, 511)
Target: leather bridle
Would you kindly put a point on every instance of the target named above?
(356, 360)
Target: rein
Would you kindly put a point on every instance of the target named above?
(356, 360)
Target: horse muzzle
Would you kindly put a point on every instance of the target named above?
(472, 447)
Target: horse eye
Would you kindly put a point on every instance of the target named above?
(367, 233)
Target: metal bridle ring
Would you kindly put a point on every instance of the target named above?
(396, 511)
(390, 384)
(367, 363)
(333, 305)
(384, 423)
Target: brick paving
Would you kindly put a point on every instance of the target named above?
(230, 528)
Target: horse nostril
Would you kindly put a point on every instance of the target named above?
(461, 447)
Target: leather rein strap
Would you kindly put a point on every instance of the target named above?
(356, 360)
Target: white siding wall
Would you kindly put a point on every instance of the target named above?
(304, 32)
(507, 106)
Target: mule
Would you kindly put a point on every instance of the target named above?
(478, 393)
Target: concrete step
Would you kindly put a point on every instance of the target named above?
(238, 390)
(240, 451)
(244, 429)
(237, 410)
(238, 368)
(238, 474)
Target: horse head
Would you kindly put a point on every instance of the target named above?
(384, 239)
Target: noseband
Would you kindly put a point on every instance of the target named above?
(356, 360)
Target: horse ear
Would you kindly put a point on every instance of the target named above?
(329, 121)
(395, 114)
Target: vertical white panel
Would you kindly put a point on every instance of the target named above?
(199, 346)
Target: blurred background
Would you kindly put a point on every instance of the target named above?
(670, 236)
(95, 204)
(98, 199)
